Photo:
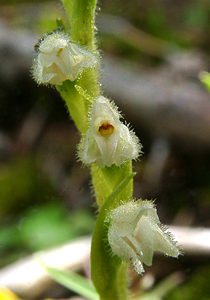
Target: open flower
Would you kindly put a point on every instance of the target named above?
(59, 59)
(135, 233)
(108, 141)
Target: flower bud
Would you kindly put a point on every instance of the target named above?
(135, 233)
(59, 59)
(107, 141)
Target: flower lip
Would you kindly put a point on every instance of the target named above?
(106, 129)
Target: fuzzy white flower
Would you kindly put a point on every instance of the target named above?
(108, 141)
(59, 59)
(135, 233)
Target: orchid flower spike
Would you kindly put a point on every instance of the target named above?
(107, 141)
(58, 59)
(135, 233)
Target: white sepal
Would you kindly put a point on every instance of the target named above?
(135, 233)
(107, 141)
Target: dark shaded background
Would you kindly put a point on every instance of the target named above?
(152, 52)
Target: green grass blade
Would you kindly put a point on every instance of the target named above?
(74, 282)
(205, 79)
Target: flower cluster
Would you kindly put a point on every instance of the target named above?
(135, 233)
(58, 59)
(107, 141)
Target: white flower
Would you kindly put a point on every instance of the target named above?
(135, 233)
(108, 141)
(59, 59)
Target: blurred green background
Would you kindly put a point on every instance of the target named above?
(157, 48)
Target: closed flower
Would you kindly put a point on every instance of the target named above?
(135, 233)
(58, 59)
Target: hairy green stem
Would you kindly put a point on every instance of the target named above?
(81, 17)
(108, 273)
(76, 105)
(81, 14)
(106, 179)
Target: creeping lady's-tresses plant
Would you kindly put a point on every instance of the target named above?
(126, 230)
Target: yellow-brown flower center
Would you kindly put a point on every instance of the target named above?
(106, 129)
